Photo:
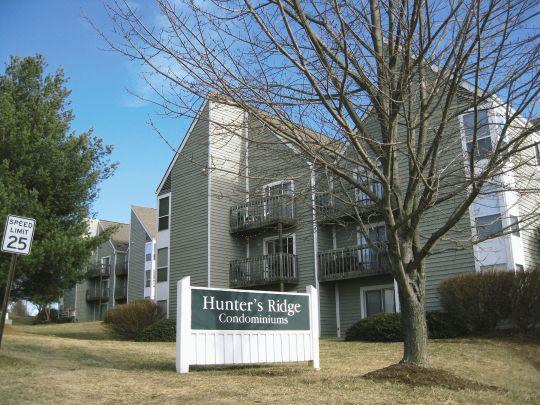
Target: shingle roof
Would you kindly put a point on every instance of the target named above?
(120, 239)
(148, 218)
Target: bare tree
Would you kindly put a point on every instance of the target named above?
(387, 80)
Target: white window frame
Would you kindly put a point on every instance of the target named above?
(162, 267)
(365, 289)
(489, 111)
(161, 197)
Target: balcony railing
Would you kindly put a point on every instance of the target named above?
(97, 294)
(120, 292)
(121, 269)
(99, 270)
(264, 270)
(352, 262)
(332, 207)
(262, 212)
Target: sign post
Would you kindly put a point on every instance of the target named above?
(17, 240)
(225, 326)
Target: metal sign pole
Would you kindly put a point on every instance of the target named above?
(11, 275)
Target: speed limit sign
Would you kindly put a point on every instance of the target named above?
(18, 235)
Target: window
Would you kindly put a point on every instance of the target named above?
(163, 305)
(162, 264)
(148, 278)
(537, 152)
(520, 268)
(271, 246)
(377, 300)
(374, 186)
(514, 225)
(279, 188)
(483, 137)
(494, 267)
(148, 257)
(163, 214)
(489, 225)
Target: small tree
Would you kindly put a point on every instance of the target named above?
(49, 173)
(385, 80)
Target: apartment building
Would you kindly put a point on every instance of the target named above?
(240, 208)
(142, 277)
(106, 278)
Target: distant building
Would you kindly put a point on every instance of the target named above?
(106, 278)
(142, 242)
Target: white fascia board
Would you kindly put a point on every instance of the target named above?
(186, 137)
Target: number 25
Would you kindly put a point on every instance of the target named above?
(20, 241)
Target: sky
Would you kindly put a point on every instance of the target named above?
(99, 81)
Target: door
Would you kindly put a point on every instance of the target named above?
(275, 206)
(276, 265)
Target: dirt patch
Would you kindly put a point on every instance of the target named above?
(425, 377)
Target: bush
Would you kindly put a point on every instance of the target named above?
(525, 301)
(387, 328)
(129, 320)
(161, 331)
(42, 316)
(377, 328)
(478, 300)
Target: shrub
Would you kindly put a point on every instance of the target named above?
(43, 317)
(377, 328)
(478, 300)
(387, 328)
(161, 331)
(442, 325)
(525, 301)
(129, 320)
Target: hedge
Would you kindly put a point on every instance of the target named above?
(387, 328)
(163, 330)
(481, 301)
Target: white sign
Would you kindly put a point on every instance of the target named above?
(224, 326)
(18, 234)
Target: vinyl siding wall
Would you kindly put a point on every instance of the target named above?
(137, 242)
(189, 211)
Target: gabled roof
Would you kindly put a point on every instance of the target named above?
(119, 239)
(148, 219)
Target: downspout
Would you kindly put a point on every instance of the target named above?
(209, 206)
(315, 237)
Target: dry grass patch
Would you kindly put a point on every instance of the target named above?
(38, 366)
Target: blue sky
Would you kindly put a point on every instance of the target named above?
(99, 81)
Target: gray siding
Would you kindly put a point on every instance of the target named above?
(137, 242)
(189, 211)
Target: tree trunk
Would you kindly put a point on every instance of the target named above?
(415, 335)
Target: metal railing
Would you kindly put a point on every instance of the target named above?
(121, 269)
(263, 270)
(332, 206)
(97, 294)
(260, 212)
(120, 292)
(99, 270)
(352, 262)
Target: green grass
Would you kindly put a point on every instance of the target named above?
(79, 363)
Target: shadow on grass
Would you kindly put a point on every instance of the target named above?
(255, 370)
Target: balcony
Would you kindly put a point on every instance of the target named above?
(262, 212)
(344, 205)
(352, 262)
(121, 269)
(264, 270)
(97, 294)
(99, 270)
(120, 292)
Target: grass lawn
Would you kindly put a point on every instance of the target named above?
(80, 363)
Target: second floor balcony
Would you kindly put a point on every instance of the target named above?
(353, 262)
(121, 269)
(269, 269)
(98, 270)
(100, 294)
(262, 212)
